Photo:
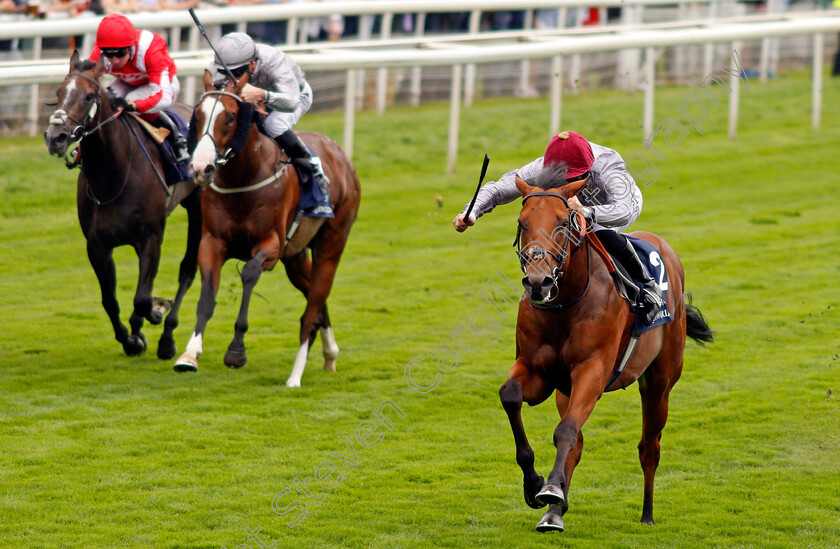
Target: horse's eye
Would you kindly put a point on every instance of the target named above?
(89, 97)
(231, 118)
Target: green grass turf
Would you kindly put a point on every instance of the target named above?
(101, 450)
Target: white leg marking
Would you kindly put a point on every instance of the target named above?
(190, 357)
(330, 348)
(300, 364)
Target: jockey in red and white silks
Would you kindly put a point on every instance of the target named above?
(144, 72)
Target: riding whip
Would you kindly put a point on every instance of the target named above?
(219, 57)
(480, 181)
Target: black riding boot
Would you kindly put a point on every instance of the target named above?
(179, 143)
(623, 250)
(303, 159)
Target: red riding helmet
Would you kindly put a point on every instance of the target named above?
(115, 31)
(571, 148)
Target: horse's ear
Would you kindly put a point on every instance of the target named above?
(208, 80)
(523, 187)
(100, 66)
(74, 60)
(240, 82)
(571, 189)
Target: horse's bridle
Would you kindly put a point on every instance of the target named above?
(80, 131)
(564, 250)
(221, 158)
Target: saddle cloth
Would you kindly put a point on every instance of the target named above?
(655, 265)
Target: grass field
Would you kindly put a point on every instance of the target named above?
(102, 450)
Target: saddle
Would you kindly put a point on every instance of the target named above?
(175, 173)
(629, 289)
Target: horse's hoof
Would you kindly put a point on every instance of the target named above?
(159, 309)
(166, 348)
(292, 383)
(550, 494)
(530, 492)
(186, 363)
(551, 522)
(329, 364)
(135, 345)
(236, 359)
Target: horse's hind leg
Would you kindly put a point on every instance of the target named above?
(299, 270)
(325, 262)
(102, 262)
(512, 395)
(186, 275)
(654, 388)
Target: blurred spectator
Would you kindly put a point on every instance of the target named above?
(507, 20)
(120, 6)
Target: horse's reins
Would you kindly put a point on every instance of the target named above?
(223, 158)
(557, 272)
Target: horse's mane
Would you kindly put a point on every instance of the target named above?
(552, 176)
(85, 65)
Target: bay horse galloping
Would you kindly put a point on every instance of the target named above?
(121, 200)
(249, 213)
(571, 336)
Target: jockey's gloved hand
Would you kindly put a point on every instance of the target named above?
(588, 214)
(122, 103)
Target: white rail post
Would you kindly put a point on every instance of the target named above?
(735, 85)
(650, 76)
(189, 84)
(816, 87)
(292, 30)
(417, 72)
(709, 54)
(525, 64)
(454, 115)
(32, 114)
(349, 112)
(469, 79)
(382, 72)
(556, 95)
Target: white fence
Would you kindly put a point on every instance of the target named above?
(461, 52)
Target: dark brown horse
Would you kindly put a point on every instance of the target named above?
(121, 200)
(571, 333)
(249, 211)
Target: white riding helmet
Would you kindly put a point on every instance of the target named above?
(236, 49)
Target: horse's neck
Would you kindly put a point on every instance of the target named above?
(256, 161)
(109, 148)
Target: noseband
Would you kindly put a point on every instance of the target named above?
(560, 258)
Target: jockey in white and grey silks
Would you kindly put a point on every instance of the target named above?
(277, 82)
(610, 201)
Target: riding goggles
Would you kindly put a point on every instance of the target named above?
(115, 52)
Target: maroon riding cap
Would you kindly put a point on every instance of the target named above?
(571, 148)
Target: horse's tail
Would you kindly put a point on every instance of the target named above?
(696, 326)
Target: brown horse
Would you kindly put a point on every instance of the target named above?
(571, 333)
(121, 200)
(249, 211)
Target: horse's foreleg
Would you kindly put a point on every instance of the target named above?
(186, 275)
(148, 252)
(236, 356)
(654, 394)
(587, 387)
(511, 395)
(211, 253)
(102, 261)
